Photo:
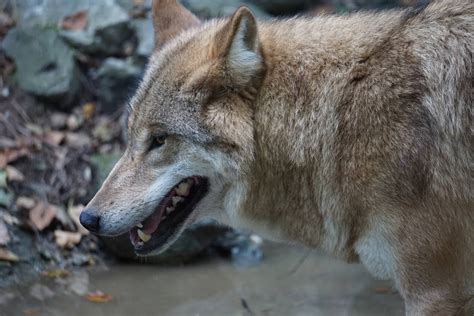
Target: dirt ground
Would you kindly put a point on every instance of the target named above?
(290, 281)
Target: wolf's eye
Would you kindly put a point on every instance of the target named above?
(158, 141)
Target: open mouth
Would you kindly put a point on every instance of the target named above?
(170, 215)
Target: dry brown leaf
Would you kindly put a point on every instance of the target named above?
(56, 274)
(13, 174)
(26, 203)
(54, 138)
(31, 311)
(383, 290)
(7, 255)
(99, 297)
(75, 22)
(88, 110)
(4, 236)
(74, 212)
(42, 215)
(67, 239)
(11, 154)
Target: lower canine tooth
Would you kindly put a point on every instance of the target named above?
(169, 210)
(143, 236)
(176, 200)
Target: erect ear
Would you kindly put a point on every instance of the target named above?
(239, 47)
(169, 19)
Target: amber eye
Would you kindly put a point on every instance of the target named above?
(158, 141)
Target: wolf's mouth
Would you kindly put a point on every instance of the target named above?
(168, 218)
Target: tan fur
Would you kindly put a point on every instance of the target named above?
(349, 133)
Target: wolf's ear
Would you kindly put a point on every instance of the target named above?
(239, 47)
(169, 19)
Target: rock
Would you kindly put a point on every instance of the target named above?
(118, 79)
(108, 31)
(6, 198)
(244, 249)
(45, 64)
(218, 8)
(145, 35)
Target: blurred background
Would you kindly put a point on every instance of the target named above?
(67, 68)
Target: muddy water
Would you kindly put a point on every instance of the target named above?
(290, 281)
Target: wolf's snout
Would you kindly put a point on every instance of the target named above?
(90, 220)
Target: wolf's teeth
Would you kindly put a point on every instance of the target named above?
(143, 236)
(183, 189)
(169, 209)
(176, 200)
(140, 225)
(140, 243)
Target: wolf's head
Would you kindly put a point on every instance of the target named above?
(190, 131)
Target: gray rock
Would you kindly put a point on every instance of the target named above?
(45, 64)
(145, 35)
(118, 79)
(108, 31)
(219, 8)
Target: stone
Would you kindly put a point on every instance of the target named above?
(52, 73)
(108, 31)
(118, 79)
(145, 35)
(207, 9)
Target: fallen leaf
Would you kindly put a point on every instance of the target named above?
(383, 290)
(42, 215)
(99, 297)
(54, 138)
(78, 140)
(4, 237)
(13, 174)
(56, 274)
(58, 120)
(7, 255)
(11, 154)
(74, 212)
(66, 239)
(73, 122)
(88, 110)
(75, 22)
(31, 311)
(34, 128)
(26, 203)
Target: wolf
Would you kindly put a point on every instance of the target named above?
(353, 134)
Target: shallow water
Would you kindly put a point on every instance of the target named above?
(290, 281)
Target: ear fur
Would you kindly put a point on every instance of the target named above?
(169, 19)
(241, 51)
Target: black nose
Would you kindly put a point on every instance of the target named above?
(90, 220)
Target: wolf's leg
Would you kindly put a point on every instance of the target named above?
(435, 303)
